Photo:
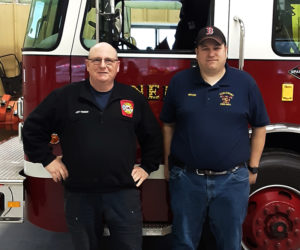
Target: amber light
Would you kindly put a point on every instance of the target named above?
(13, 204)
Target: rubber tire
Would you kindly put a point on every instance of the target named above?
(278, 167)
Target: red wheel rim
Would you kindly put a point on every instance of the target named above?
(273, 219)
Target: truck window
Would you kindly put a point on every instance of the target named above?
(286, 33)
(147, 25)
(45, 24)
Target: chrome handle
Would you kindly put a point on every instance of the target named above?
(20, 127)
(20, 108)
(242, 41)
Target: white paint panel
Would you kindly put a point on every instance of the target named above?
(221, 16)
(257, 16)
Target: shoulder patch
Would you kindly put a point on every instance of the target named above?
(127, 108)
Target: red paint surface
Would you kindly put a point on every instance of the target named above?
(44, 73)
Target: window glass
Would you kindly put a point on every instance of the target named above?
(286, 33)
(45, 24)
(16, 1)
(24, 1)
(146, 25)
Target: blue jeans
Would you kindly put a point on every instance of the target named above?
(223, 198)
(86, 214)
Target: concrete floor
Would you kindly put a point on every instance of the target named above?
(26, 236)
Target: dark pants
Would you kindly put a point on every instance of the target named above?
(86, 214)
(224, 199)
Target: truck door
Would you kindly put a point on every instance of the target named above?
(269, 51)
(255, 19)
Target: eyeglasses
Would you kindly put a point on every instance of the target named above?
(107, 61)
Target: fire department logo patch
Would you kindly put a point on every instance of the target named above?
(226, 98)
(295, 72)
(127, 108)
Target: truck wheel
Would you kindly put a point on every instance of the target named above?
(273, 219)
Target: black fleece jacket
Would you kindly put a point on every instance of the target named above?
(98, 146)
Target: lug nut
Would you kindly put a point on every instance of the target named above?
(266, 242)
(266, 211)
(258, 232)
(289, 242)
(258, 221)
(290, 210)
(277, 245)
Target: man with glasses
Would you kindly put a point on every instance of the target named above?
(98, 122)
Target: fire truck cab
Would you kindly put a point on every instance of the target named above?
(155, 39)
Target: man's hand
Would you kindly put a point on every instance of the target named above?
(57, 169)
(252, 178)
(166, 171)
(139, 175)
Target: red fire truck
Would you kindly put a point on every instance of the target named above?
(154, 41)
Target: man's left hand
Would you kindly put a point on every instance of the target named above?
(139, 175)
(252, 178)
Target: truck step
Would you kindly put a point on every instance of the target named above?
(150, 229)
(11, 182)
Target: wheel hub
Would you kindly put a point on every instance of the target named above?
(273, 220)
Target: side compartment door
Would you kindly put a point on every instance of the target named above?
(255, 17)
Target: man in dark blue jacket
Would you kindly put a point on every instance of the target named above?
(99, 122)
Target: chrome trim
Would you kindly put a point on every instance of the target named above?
(20, 127)
(20, 109)
(279, 128)
(158, 174)
(242, 41)
(276, 185)
(149, 229)
(97, 20)
(36, 170)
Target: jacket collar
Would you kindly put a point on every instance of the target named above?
(85, 92)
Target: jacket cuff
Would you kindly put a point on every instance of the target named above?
(149, 168)
(48, 160)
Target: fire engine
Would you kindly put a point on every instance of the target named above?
(154, 40)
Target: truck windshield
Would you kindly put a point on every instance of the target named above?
(286, 32)
(138, 25)
(45, 24)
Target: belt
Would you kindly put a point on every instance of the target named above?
(178, 163)
(210, 172)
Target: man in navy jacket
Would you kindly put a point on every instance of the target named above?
(99, 122)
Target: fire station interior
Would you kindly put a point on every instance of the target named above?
(171, 27)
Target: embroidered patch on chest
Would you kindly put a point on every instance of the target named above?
(127, 108)
(226, 98)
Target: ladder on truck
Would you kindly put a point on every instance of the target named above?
(11, 181)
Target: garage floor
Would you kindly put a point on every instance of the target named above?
(26, 236)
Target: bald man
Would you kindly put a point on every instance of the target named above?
(98, 122)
